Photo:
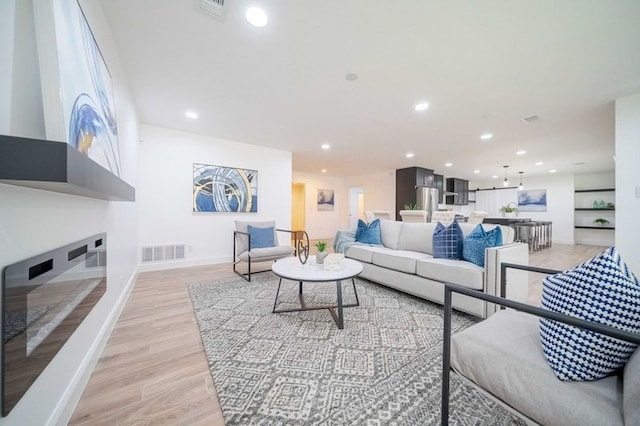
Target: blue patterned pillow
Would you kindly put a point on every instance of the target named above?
(477, 241)
(447, 241)
(602, 290)
(261, 237)
(369, 233)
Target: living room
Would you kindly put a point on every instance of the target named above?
(157, 155)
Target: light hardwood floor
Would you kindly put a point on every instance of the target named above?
(153, 369)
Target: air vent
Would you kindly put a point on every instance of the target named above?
(214, 8)
(162, 253)
(531, 119)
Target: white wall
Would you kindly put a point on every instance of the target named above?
(628, 180)
(322, 224)
(560, 210)
(166, 197)
(34, 221)
(7, 21)
(379, 192)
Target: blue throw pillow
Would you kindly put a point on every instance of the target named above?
(261, 237)
(477, 241)
(447, 241)
(601, 290)
(369, 233)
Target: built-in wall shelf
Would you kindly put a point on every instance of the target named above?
(595, 227)
(595, 190)
(595, 210)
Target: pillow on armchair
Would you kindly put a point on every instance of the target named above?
(261, 237)
(602, 290)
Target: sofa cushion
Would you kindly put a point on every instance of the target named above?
(452, 271)
(390, 233)
(368, 233)
(631, 390)
(601, 290)
(398, 260)
(502, 354)
(447, 241)
(362, 252)
(477, 241)
(417, 237)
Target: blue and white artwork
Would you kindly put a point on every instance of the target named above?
(532, 200)
(85, 88)
(326, 200)
(224, 189)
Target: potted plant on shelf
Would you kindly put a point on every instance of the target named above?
(322, 252)
(510, 210)
(601, 221)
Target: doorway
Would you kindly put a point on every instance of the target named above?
(356, 206)
(297, 206)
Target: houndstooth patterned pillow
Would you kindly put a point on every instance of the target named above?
(602, 290)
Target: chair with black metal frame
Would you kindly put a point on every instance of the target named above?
(245, 251)
(518, 306)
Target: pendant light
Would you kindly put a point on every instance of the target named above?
(521, 186)
(506, 181)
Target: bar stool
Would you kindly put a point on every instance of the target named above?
(547, 233)
(527, 232)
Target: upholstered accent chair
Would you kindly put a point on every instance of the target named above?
(255, 242)
(445, 218)
(372, 215)
(414, 215)
(476, 217)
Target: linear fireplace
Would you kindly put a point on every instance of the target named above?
(44, 300)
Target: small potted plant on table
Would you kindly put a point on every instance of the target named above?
(510, 210)
(322, 252)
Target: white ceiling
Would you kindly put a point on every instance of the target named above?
(481, 65)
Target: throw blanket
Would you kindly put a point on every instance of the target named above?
(343, 240)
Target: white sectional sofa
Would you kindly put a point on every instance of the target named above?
(405, 262)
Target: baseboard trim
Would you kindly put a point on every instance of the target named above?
(69, 400)
(182, 263)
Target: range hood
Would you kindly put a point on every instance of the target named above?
(57, 166)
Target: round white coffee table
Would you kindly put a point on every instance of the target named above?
(290, 268)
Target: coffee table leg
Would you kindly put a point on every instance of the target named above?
(339, 294)
(277, 294)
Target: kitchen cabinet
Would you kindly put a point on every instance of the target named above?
(461, 189)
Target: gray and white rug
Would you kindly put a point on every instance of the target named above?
(384, 367)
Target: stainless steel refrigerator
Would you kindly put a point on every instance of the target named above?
(427, 199)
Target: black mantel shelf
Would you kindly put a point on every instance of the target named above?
(57, 166)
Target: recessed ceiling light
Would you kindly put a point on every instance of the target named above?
(256, 17)
(448, 164)
(324, 170)
(421, 106)
(494, 177)
(325, 146)
(521, 152)
(486, 136)
(579, 163)
(409, 155)
(352, 76)
(191, 114)
(476, 171)
(552, 171)
(539, 163)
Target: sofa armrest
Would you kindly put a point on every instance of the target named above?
(518, 283)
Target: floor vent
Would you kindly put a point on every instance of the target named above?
(160, 253)
(214, 8)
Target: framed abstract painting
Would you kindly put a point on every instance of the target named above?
(532, 200)
(219, 189)
(326, 200)
(77, 88)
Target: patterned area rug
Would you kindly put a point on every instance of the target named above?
(384, 367)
